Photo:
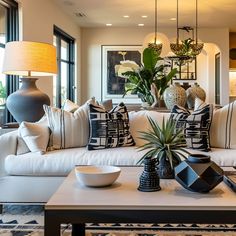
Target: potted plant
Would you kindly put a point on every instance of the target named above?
(164, 143)
(151, 79)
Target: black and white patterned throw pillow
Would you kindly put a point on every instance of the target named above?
(109, 129)
(197, 129)
(196, 125)
(179, 115)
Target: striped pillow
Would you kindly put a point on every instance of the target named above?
(109, 129)
(68, 129)
(223, 128)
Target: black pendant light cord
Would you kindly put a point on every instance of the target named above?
(155, 40)
(196, 20)
(177, 21)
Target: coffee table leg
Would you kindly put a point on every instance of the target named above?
(52, 229)
(51, 225)
(78, 229)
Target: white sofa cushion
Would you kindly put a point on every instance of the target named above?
(223, 127)
(35, 135)
(139, 122)
(61, 162)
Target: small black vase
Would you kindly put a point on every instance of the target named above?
(149, 180)
(164, 168)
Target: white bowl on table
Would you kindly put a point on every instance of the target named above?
(97, 176)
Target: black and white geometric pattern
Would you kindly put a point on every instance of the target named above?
(179, 115)
(109, 129)
(196, 125)
(28, 220)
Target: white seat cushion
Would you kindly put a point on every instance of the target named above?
(61, 162)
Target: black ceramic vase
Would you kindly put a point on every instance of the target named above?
(149, 180)
(165, 171)
(198, 173)
(26, 104)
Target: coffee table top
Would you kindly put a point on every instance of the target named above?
(123, 194)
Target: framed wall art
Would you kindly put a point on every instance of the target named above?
(113, 83)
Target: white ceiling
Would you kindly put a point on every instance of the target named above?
(211, 13)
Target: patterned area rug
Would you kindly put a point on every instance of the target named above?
(23, 220)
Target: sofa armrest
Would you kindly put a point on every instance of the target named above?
(8, 145)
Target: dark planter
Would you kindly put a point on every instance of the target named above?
(149, 180)
(198, 173)
(164, 168)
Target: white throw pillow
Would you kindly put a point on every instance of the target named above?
(68, 129)
(70, 106)
(138, 122)
(223, 127)
(22, 147)
(35, 135)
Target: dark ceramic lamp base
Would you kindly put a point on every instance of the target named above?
(26, 104)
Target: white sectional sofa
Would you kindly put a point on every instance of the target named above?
(32, 177)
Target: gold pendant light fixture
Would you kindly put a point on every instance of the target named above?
(156, 46)
(189, 47)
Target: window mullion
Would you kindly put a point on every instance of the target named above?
(12, 34)
(58, 84)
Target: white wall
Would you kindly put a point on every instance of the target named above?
(206, 70)
(93, 38)
(36, 24)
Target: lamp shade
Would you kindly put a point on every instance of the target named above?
(29, 59)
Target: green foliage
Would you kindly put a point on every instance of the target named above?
(152, 71)
(3, 93)
(163, 142)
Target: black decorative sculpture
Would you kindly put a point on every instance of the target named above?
(198, 173)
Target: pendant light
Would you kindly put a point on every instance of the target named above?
(189, 47)
(156, 46)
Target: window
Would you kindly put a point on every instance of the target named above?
(63, 83)
(8, 32)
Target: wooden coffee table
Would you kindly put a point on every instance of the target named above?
(123, 203)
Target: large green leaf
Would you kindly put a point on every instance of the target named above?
(150, 58)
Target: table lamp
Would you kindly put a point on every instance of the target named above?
(28, 59)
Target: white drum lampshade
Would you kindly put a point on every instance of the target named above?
(28, 59)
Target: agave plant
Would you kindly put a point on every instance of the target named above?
(166, 144)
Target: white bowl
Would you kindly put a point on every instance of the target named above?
(97, 176)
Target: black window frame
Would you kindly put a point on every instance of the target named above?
(61, 35)
(12, 34)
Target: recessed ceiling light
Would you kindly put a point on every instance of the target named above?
(126, 16)
(140, 24)
(144, 16)
(173, 18)
(108, 24)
